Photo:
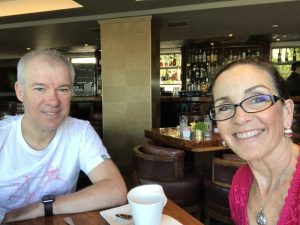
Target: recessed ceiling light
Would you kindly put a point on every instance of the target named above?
(277, 39)
(230, 35)
(275, 25)
(28, 49)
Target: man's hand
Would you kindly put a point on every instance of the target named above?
(27, 212)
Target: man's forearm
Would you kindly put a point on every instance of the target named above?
(104, 194)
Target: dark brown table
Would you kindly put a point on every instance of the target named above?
(94, 217)
(171, 137)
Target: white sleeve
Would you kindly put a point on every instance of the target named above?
(93, 152)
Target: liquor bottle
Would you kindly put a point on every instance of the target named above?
(170, 60)
(286, 55)
(239, 55)
(216, 56)
(196, 56)
(208, 56)
(226, 56)
(189, 59)
(244, 54)
(212, 56)
(230, 56)
(294, 55)
(257, 53)
(174, 60)
(279, 56)
(192, 56)
(200, 55)
(196, 71)
(248, 53)
(204, 56)
(234, 55)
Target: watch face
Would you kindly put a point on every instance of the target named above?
(48, 198)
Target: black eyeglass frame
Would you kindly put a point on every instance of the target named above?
(274, 99)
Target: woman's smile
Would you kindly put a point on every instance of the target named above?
(248, 134)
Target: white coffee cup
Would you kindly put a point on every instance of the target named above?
(146, 203)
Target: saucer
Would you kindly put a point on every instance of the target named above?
(110, 216)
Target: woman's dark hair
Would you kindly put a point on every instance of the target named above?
(279, 82)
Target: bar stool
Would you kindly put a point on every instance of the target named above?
(165, 166)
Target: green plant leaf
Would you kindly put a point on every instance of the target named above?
(200, 126)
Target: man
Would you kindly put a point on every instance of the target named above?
(293, 81)
(42, 151)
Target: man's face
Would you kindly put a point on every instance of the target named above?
(46, 94)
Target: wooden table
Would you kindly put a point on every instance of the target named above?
(171, 137)
(94, 217)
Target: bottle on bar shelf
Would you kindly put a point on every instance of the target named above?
(279, 56)
(286, 55)
(294, 55)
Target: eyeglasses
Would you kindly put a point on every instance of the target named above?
(253, 104)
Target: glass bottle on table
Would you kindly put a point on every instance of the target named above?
(208, 122)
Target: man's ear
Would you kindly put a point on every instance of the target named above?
(288, 113)
(19, 91)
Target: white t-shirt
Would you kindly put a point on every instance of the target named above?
(26, 174)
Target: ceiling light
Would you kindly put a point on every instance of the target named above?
(275, 25)
(19, 7)
(230, 35)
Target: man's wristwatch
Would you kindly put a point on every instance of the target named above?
(48, 202)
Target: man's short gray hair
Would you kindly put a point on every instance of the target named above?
(51, 53)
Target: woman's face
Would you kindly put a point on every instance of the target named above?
(251, 135)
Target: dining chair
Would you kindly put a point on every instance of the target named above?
(165, 166)
(216, 189)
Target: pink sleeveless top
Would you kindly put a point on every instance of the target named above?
(238, 198)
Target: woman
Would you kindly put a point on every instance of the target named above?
(254, 116)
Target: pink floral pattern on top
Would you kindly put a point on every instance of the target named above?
(238, 198)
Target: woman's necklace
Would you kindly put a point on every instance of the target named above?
(261, 218)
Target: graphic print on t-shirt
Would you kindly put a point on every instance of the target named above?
(23, 192)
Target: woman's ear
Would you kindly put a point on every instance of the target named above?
(19, 91)
(288, 113)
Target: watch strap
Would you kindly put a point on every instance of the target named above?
(48, 208)
(48, 204)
